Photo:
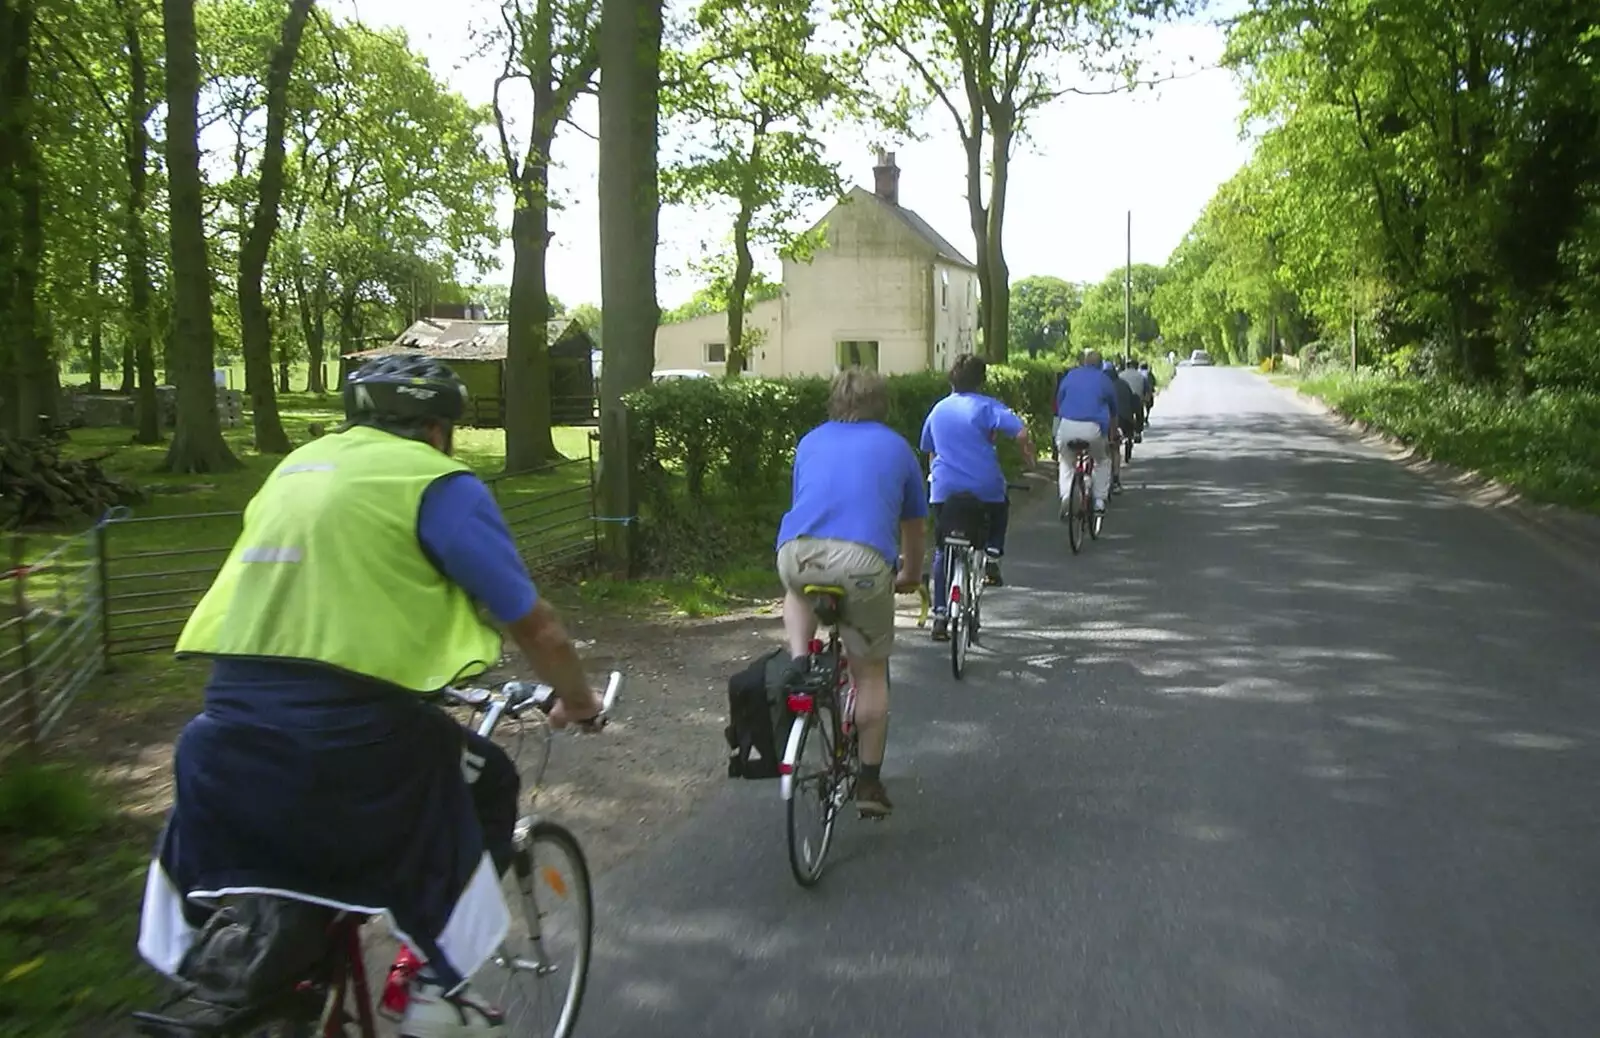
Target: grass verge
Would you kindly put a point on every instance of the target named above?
(72, 869)
(1546, 445)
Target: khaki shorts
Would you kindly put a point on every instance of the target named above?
(866, 623)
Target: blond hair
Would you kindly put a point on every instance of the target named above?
(858, 395)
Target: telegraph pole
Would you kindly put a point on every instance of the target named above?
(1127, 295)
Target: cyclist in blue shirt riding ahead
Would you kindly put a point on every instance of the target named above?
(857, 485)
(317, 770)
(959, 435)
(1086, 409)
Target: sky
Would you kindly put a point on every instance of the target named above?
(1160, 152)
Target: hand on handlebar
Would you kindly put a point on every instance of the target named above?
(562, 715)
(907, 580)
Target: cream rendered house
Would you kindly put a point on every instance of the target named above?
(887, 292)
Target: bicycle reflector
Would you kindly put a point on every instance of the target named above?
(799, 702)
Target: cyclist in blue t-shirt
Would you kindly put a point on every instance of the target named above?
(857, 490)
(959, 436)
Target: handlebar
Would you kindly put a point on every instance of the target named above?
(518, 697)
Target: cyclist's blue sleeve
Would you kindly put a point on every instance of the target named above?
(927, 434)
(1006, 421)
(914, 501)
(465, 536)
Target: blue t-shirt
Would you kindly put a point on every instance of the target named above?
(854, 481)
(1087, 395)
(960, 432)
(464, 535)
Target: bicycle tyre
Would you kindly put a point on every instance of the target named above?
(808, 869)
(1127, 449)
(1096, 520)
(959, 620)
(1075, 512)
(576, 890)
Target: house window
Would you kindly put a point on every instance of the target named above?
(944, 290)
(858, 353)
(716, 353)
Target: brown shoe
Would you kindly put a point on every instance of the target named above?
(872, 800)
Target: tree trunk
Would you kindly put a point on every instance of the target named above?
(348, 333)
(198, 445)
(125, 382)
(314, 327)
(996, 328)
(97, 344)
(743, 262)
(527, 404)
(630, 209)
(254, 322)
(978, 216)
(283, 368)
(743, 265)
(140, 330)
(25, 365)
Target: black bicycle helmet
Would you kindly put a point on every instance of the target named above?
(402, 391)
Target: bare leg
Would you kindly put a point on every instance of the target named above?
(799, 624)
(872, 708)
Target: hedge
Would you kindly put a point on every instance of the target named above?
(743, 432)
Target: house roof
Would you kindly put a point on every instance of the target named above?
(921, 228)
(450, 339)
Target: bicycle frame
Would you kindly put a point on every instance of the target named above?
(839, 699)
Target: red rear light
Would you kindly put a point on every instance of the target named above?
(786, 768)
(815, 647)
(799, 703)
(955, 595)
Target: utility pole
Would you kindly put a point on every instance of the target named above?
(1127, 295)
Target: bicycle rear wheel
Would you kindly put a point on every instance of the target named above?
(538, 978)
(815, 799)
(1077, 512)
(960, 620)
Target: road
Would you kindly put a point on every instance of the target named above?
(1302, 746)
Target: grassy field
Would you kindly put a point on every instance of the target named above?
(1546, 445)
(235, 376)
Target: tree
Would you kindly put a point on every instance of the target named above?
(388, 187)
(1100, 320)
(27, 375)
(554, 48)
(990, 66)
(198, 445)
(588, 315)
(747, 97)
(254, 320)
(1042, 309)
(714, 296)
(630, 206)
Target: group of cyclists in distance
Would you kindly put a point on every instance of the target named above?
(859, 492)
(368, 565)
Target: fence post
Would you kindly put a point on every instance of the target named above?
(102, 565)
(618, 488)
(30, 701)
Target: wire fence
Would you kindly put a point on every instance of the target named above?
(128, 585)
(52, 616)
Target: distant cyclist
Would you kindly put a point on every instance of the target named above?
(857, 492)
(1149, 389)
(959, 436)
(1125, 425)
(1139, 383)
(1086, 409)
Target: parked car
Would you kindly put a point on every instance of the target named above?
(668, 374)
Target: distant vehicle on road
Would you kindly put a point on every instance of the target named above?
(1199, 358)
(668, 374)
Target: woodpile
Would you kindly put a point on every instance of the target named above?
(39, 487)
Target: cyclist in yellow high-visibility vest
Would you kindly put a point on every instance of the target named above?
(317, 768)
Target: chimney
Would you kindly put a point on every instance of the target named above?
(887, 178)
